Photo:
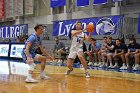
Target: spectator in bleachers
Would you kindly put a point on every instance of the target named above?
(103, 49)
(133, 49)
(59, 49)
(18, 39)
(108, 55)
(120, 50)
(92, 52)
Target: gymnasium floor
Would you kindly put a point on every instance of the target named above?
(12, 75)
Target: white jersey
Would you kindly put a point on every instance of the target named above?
(77, 45)
(77, 41)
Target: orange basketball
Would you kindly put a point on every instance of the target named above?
(90, 27)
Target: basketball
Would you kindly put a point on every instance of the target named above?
(90, 27)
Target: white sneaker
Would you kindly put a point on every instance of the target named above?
(95, 64)
(59, 61)
(123, 67)
(31, 80)
(115, 66)
(44, 76)
(100, 63)
(90, 64)
(136, 68)
(110, 66)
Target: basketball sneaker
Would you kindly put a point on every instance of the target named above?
(90, 64)
(44, 76)
(69, 71)
(136, 67)
(87, 75)
(31, 80)
(124, 67)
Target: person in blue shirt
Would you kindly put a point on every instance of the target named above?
(29, 55)
(93, 50)
(133, 49)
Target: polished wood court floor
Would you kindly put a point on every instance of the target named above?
(12, 76)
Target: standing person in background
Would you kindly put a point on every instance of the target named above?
(29, 56)
(78, 37)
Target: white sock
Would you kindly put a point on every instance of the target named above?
(124, 64)
(29, 76)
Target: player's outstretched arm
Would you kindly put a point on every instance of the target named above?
(45, 52)
(88, 37)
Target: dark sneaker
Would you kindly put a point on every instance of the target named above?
(69, 71)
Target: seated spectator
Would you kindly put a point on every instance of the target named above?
(18, 39)
(120, 50)
(133, 49)
(102, 50)
(59, 49)
(92, 52)
(108, 55)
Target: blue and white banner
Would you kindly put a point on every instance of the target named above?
(57, 3)
(117, 0)
(13, 31)
(98, 2)
(4, 49)
(103, 25)
(16, 50)
(82, 3)
(139, 25)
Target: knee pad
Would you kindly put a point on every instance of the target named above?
(32, 66)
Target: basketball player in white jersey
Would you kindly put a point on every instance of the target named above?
(78, 36)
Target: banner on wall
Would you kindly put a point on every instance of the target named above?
(99, 2)
(57, 3)
(103, 25)
(139, 25)
(83, 3)
(13, 31)
(117, 0)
